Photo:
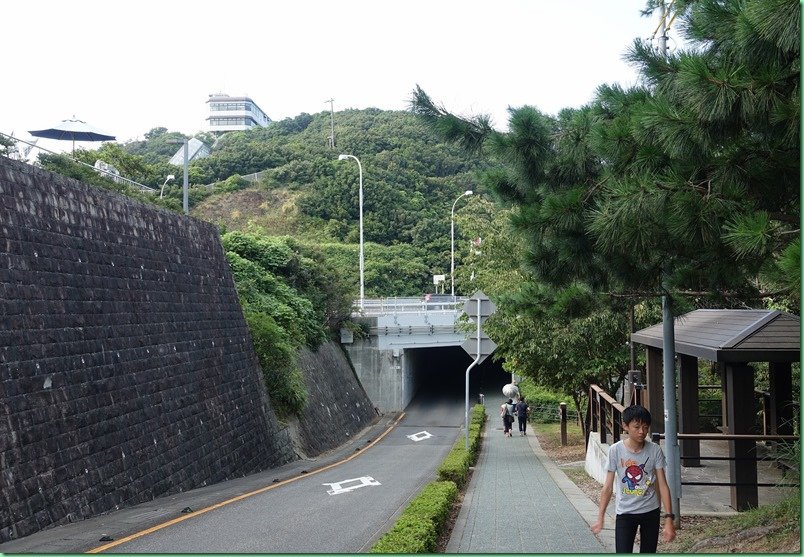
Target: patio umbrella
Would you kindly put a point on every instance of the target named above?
(76, 130)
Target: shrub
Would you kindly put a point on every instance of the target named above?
(542, 401)
(420, 524)
(278, 360)
(417, 529)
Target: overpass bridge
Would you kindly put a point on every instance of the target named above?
(406, 343)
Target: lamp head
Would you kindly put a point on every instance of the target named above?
(170, 177)
(343, 157)
(468, 192)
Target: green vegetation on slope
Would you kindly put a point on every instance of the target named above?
(291, 297)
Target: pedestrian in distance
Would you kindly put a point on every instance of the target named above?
(504, 416)
(639, 464)
(510, 410)
(522, 411)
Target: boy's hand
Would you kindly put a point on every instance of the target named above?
(597, 527)
(669, 531)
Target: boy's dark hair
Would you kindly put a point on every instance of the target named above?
(636, 413)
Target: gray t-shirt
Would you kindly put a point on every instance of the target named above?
(635, 477)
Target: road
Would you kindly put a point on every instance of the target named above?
(324, 512)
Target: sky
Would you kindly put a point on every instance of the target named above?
(129, 66)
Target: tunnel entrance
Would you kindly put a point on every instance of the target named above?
(441, 373)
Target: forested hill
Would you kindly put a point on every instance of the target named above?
(410, 181)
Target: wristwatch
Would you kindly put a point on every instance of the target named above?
(670, 515)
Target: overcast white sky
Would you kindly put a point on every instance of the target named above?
(126, 67)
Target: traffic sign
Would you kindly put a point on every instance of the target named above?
(487, 346)
(487, 307)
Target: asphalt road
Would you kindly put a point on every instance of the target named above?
(340, 510)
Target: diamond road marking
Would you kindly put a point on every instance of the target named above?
(420, 436)
(338, 487)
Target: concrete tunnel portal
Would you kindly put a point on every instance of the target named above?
(392, 377)
(443, 370)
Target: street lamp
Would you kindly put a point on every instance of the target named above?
(452, 243)
(168, 179)
(360, 197)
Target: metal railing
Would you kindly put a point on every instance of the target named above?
(114, 176)
(386, 306)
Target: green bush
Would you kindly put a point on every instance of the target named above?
(455, 467)
(278, 360)
(542, 401)
(418, 528)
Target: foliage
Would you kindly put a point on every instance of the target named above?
(302, 268)
(278, 360)
(7, 146)
(455, 467)
(289, 300)
(544, 403)
(686, 184)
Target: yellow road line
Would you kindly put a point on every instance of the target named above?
(176, 520)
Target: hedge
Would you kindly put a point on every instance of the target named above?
(420, 524)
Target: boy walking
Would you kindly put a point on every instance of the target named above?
(638, 466)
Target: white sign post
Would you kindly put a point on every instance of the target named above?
(478, 345)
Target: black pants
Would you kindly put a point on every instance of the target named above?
(625, 530)
(523, 423)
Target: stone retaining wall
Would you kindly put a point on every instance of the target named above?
(126, 367)
(337, 406)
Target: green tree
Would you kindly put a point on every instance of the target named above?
(698, 168)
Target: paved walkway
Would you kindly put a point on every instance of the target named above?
(518, 501)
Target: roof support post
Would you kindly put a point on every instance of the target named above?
(781, 398)
(740, 385)
(653, 387)
(688, 410)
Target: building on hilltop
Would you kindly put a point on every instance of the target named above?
(196, 149)
(234, 113)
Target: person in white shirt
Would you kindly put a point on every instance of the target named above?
(639, 464)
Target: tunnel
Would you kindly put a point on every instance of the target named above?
(442, 370)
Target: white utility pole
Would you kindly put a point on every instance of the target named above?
(331, 123)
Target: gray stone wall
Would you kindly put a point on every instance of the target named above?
(337, 406)
(126, 367)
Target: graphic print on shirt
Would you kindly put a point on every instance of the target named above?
(635, 481)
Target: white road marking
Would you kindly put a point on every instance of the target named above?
(338, 487)
(420, 436)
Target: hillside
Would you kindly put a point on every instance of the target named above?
(410, 180)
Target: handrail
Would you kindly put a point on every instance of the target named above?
(607, 397)
(601, 405)
(730, 437)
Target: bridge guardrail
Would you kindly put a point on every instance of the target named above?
(385, 306)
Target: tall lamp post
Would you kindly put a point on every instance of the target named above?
(360, 197)
(452, 242)
(168, 179)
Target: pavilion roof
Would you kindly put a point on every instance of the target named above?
(732, 335)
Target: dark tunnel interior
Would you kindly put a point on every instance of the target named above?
(441, 372)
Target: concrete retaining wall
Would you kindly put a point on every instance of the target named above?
(386, 375)
(597, 457)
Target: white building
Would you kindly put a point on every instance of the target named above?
(234, 113)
